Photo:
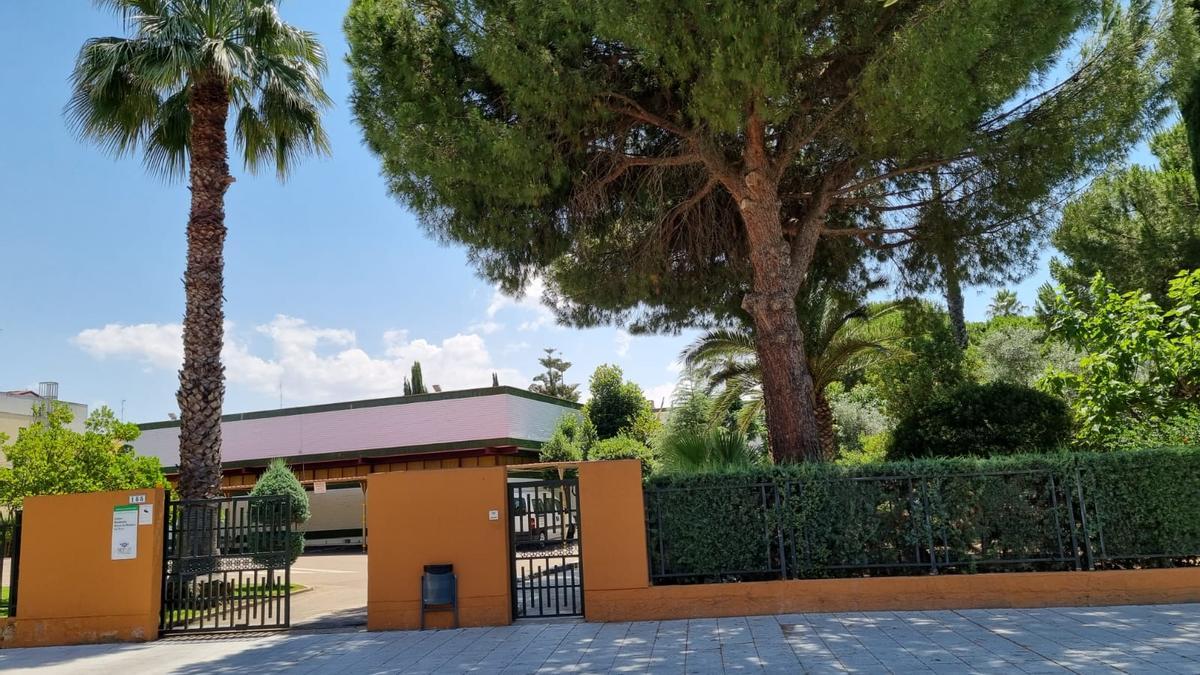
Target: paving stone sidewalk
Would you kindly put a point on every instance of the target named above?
(1161, 639)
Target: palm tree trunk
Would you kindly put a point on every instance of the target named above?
(825, 423)
(787, 385)
(202, 378)
(954, 301)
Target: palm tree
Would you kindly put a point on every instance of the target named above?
(167, 92)
(1005, 303)
(841, 336)
(712, 450)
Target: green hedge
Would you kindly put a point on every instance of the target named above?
(966, 515)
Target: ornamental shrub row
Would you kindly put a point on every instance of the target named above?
(957, 515)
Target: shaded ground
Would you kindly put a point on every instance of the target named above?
(1163, 639)
(339, 590)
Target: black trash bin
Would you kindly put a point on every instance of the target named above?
(439, 590)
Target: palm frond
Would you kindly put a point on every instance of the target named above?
(131, 92)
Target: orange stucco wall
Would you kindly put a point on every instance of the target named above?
(1019, 589)
(430, 517)
(617, 587)
(70, 590)
(612, 527)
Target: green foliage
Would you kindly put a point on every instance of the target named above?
(712, 450)
(1018, 352)
(842, 336)
(624, 447)
(48, 458)
(417, 382)
(871, 449)
(930, 362)
(997, 418)
(857, 414)
(1137, 225)
(278, 479)
(1005, 303)
(553, 381)
(691, 411)
(712, 526)
(132, 94)
(618, 407)
(1141, 364)
(562, 137)
(571, 441)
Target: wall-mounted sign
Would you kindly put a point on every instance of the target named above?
(137, 499)
(145, 514)
(124, 532)
(494, 514)
(319, 487)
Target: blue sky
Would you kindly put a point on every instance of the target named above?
(332, 287)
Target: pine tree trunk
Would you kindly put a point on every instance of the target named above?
(954, 303)
(787, 386)
(825, 424)
(202, 378)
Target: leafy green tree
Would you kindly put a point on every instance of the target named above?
(929, 360)
(48, 458)
(661, 163)
(625, 447)
(843, 337)
(965, 237)
(1140, 363)
(858, 413)
(278, 479)
(571, 441)
(167, 91)
(691, 408)
(1137, 225)
(618, 407)
(553, 381)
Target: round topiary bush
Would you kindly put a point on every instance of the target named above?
(997, 418)
(278, 479)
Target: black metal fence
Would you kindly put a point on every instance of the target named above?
(10, 561)
(227, 565)
(742, 530)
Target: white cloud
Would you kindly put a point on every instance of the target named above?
(313, 364)
(530, 302)
(157, 345)
(661, 395)
(485, 327)
(623, 340)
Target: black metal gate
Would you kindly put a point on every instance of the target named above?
(226, 565)
(547, 567)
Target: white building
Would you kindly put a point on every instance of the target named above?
(333, 447)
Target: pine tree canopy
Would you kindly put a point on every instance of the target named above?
(605, 142)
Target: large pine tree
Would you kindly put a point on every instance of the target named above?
(661, 161)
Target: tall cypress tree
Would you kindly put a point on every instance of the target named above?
(417, 382)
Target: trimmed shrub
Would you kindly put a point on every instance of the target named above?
(1003, 514)
(278, 479)
(998, 418)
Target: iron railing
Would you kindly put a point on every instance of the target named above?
(10, 560)
(1026, 520)
(227, 565)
